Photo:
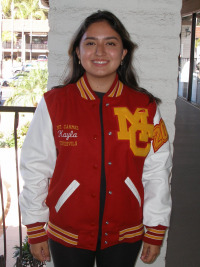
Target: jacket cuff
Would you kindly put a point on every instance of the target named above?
(154, 235)
(36, 233)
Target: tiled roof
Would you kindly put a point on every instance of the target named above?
(37, 25)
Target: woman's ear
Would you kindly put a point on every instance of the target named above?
(78, 52)
(124, 53)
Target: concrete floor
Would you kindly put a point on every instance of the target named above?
(184, 235)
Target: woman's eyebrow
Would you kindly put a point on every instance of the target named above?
(106, 38)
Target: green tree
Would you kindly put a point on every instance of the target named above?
(25, 8)
(7, 36)
(6, 8)
(29, 91)
(29, 9)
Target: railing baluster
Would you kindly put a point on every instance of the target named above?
(3, 258)
(2, 261)
(16, 121)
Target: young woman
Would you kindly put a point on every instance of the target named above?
(103, 144)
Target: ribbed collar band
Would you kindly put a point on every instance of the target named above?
(87, 92)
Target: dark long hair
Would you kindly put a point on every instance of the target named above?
(126, 72)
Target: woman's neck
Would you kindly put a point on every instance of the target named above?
(99, 84)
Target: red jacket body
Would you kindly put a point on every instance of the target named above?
(130, 133)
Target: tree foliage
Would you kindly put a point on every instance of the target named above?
(29, 9)
(7, 36)
(197, 42)
(29, 91)
(6, 8)
(24, 9)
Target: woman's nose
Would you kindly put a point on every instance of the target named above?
(100, 49)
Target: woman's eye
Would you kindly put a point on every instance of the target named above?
(90, 43)
(111, 43)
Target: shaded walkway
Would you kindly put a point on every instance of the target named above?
(184, 234)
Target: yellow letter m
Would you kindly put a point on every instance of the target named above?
(138, 122)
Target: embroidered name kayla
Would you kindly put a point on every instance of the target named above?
(67, 135)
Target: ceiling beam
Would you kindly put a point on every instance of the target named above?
(190, 6)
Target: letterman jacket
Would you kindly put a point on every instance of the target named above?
(61, 168)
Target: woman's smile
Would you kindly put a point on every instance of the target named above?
(101, 62)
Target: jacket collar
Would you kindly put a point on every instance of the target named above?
(87, 92)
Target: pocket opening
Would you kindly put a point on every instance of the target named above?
(66, 194)
(133, 189)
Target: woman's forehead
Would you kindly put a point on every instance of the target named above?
(101, 29)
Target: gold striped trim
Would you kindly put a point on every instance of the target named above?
(154, 237)
(120, 88)
(62, 237)
(161, 232)
(62, 231)
(131, 235)
(114, 90)
(37, 235)
(36, 228)
(131, 229)
(87, 90)
(81, 89)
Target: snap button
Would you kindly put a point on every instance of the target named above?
(109, 163)
(95, 137)
(106, 234)
(110, 192)
(106, 242)
(110, 133)
(107, 104)
(107, 222)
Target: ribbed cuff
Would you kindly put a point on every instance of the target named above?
(36, 233)
(154, 235)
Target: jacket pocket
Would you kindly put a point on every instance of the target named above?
(133, 189)
(66, 194)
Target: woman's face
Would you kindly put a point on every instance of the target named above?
(101, 51)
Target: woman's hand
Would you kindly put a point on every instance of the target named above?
(149, 252)
(40, 251)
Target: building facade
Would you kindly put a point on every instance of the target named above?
(30, 39)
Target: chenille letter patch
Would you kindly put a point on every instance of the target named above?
(138, 123)
(160, 135)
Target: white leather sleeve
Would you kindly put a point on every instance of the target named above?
(38, 157)
(156, 172)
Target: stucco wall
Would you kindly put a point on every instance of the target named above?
(153, 25)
